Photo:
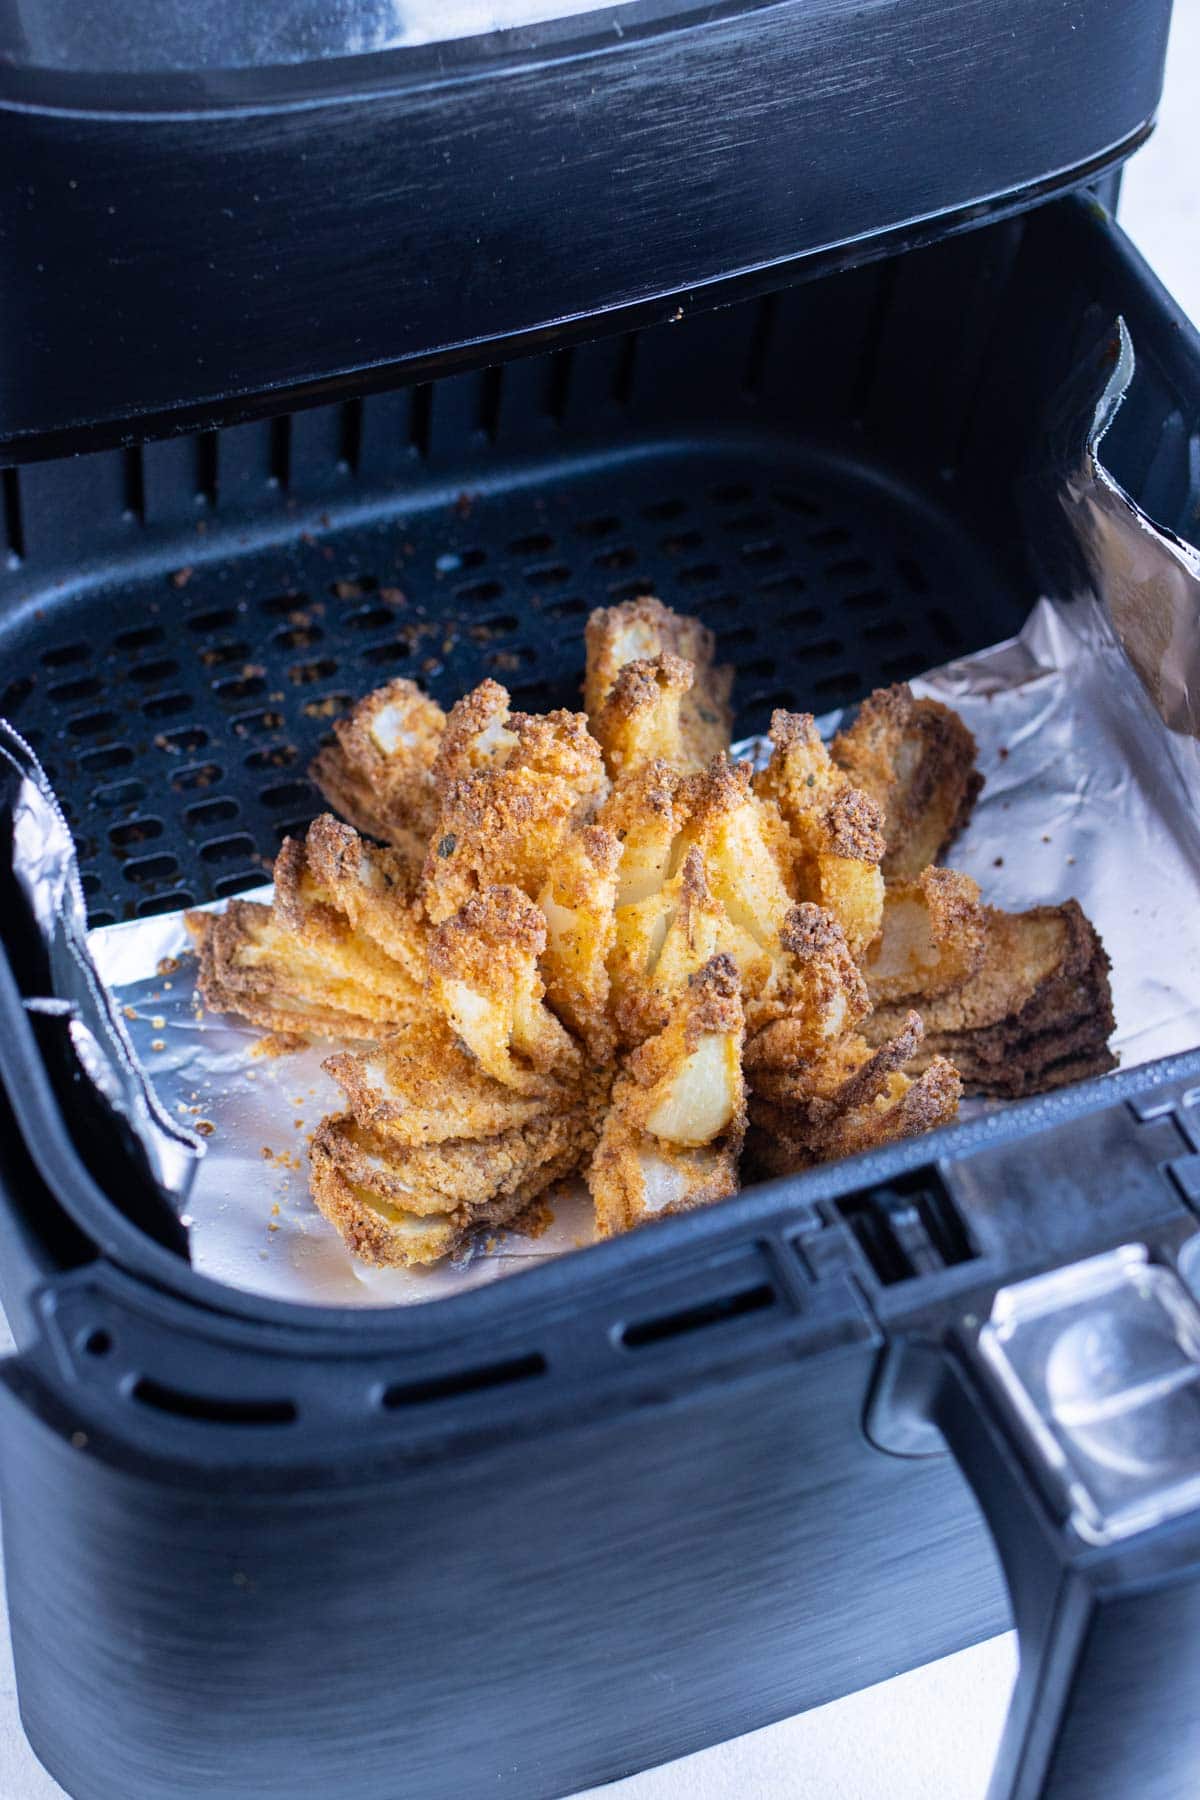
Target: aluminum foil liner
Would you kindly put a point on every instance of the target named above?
(45, 868)
(1146, 577)
(1087, 795)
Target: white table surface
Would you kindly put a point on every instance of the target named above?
(930, 1734)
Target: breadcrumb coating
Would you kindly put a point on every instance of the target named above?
(578, 902)
(421, 1085)
(816, 996)
(673, 1130)
(933, 937)
(372, 889)
(377, 772)
(593, 943)
(916, 760)
(1035, 1014)
(641, 630)
(483, 976)
(362, 1191)
(837, 829)
(459, 1172)
(639, 721)
(483, 734)
(323, 981)
(851, 1100)
(498, 827)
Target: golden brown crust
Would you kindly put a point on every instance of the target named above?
(810, 932)
(483, 735)
(377, 772)
(800, 776)
(483, 976)
(421, 1086)
(476, 735)
(1023, 953)
(720, 787)
(654, 798)
(494, 828)
(638, 630)
(1036, 1012)
(933, 938)
(324, 982)
(590, 935)
(836, 828)
(815, 997)
(869, 1080)
(856, 1099)
(336, 857)
(472, 944)
(955, 914)
(369, 1230)
(916, 759)
(287, 902)
(339, 952)
(386, 1237)
(931, 1101)
(560, 744)
(373, 889)
(849, 1073)
(673, 1131)
(643, 629)
(712, 1002)
(853, 826)
(639, 684)
(578, 903)
(795, 731)
(626, 1190)
(400, 1175)
(912, 1109)
(639, 721)
(459, 1173)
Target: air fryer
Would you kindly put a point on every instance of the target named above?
(664, 1490)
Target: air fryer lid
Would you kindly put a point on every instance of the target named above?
(216, 216)
(212, 34)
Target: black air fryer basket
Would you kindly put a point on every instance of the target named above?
(338, 369)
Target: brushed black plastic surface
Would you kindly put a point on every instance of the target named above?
(188, 249)
(1101, 1708)
(264, 1560)
(258, 1551)
(520, 1621)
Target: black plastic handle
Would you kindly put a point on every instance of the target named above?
(1107, 1606)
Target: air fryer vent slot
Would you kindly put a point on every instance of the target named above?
(910, 1227)
(690, 1319)
(463, 1381)
(216, 1409)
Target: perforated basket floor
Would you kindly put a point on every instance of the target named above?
(176, 710)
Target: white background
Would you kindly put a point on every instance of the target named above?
(930, 1734)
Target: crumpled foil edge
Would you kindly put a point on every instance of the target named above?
(47, 871)
(1146, 577)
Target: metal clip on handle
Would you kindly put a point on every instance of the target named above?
(1074, 1413)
